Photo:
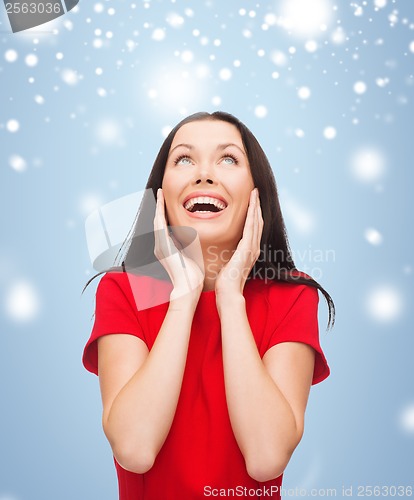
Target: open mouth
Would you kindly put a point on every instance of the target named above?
(202, 205)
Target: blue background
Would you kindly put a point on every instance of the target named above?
(91, 110)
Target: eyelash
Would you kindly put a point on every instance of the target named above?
(181, 157)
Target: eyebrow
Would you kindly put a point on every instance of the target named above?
(219, 147)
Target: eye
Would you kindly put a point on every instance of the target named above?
(230, 160)
(182, 160)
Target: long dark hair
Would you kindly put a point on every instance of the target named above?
(138, 248)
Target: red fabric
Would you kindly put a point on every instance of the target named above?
(200, 452)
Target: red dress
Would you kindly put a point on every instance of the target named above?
(200, 456)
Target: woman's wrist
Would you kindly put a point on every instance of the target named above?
(229, 301)
(184, 300)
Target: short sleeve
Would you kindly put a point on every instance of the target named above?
(300, 324)
(114, 313)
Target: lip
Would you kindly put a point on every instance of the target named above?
(211, 194)
(208, 215)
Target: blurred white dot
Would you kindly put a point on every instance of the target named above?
(412, 46)
(299, 133)
(270, 19)
(304, 93)
(216, 101)
(111, 11)
(236, 63)
(225, 74)
(158, 34)
(39, 99)
(407, 419)
(359, 11)
(292, 50)
(311, 46)
(31, 60)
(382, 82)
(97, 43)
(260, 111)
(278, 58)
(368, 164)
(17, 163)
(360, 87)
(101, 92)
(275, 75)
(22, 302)
(384, 303)
(373, 236)
(59, 56)
(12, 125)
(304, 18)
(380, 4)
(338, 36)
(108, 132)
(166, 130)
(69, 76)
(98, 71)
(175, 20)
(187, 56)
(89, 203)
(329, 133)
(98, 7)
(10, 55)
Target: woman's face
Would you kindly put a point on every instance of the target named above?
(207, 158)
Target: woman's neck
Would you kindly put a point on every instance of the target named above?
(214, 258)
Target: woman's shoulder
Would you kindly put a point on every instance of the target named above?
(143, 291)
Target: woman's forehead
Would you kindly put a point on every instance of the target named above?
(207, 132)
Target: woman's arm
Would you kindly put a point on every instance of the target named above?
(140, 389)
(266, 399)
(267, 422)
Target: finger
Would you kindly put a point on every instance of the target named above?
(249, 223)
(163, 240)
(256, 221)
(261, 222)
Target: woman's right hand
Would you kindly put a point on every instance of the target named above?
(186, 274)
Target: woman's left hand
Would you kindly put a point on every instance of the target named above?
(233, 275)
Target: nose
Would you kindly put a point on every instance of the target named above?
(204, 174)
(207, 180)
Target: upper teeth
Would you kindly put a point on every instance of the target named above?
(204, 199)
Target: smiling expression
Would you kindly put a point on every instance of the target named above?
(207, 159)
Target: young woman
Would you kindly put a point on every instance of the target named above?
(205, 365)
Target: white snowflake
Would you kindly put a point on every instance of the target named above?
(12, 125)
(260, 111)
(22, 302)
(17, 163)
(384, 303)
(11, 55)
(329, 133)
